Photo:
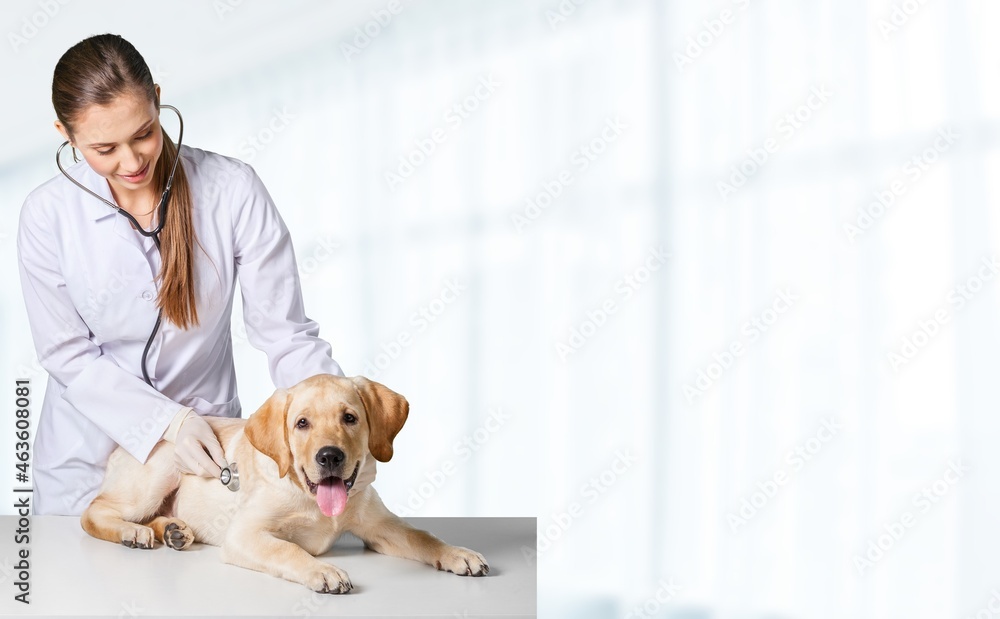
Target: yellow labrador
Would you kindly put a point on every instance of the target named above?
(298, 459)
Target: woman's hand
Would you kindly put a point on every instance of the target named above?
(196, 448)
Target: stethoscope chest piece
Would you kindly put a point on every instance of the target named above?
(230, 477)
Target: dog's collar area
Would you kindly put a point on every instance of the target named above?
(348, 483)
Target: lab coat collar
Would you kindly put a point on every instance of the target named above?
(84, 174)
(96, 210)
(90, 179)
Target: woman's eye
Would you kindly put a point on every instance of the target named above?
(302, 423)
(111, 150)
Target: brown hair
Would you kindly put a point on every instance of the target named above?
(96, 71)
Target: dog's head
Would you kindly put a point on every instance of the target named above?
(322, 430)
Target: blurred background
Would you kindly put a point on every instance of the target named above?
(710, 288)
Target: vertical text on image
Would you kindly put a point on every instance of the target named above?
(22, 452)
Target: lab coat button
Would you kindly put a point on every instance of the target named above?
(147, 295)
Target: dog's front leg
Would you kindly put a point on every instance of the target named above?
(387, 533)
(259, 550)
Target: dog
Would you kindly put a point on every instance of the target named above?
(298, 457)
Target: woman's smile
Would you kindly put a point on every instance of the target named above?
(138, 176)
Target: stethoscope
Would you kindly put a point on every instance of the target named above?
(154, 233)
(230, 476)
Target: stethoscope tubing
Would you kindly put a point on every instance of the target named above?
(154, 233)
(164, 197)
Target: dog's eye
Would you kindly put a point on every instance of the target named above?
(302, 423)
(350, 419)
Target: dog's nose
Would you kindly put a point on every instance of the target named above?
(330, 457)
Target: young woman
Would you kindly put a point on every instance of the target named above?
(96, 283)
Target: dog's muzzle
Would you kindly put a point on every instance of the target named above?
(331, 491)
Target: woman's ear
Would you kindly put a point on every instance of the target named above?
(268, 433)
(63, 131)
(386, 413)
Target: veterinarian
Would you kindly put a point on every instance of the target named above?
(133, 325)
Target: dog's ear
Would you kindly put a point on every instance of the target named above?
(268, 433)
(386, 412)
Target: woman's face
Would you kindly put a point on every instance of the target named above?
(120, 141)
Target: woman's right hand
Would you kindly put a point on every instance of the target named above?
(196, 448)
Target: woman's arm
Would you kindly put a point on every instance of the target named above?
(273, 311)
(128, 410)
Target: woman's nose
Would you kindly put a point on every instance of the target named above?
(130, 161)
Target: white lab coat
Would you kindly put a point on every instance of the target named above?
(88, 286)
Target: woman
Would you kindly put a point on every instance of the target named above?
(94, 285)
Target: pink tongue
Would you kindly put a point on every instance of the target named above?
(331, 496)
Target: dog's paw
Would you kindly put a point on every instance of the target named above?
(463, 562)
(137, 536)
(178, 535)
(326, 578)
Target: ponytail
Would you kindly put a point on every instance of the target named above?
(95, 71)
(176, 277)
